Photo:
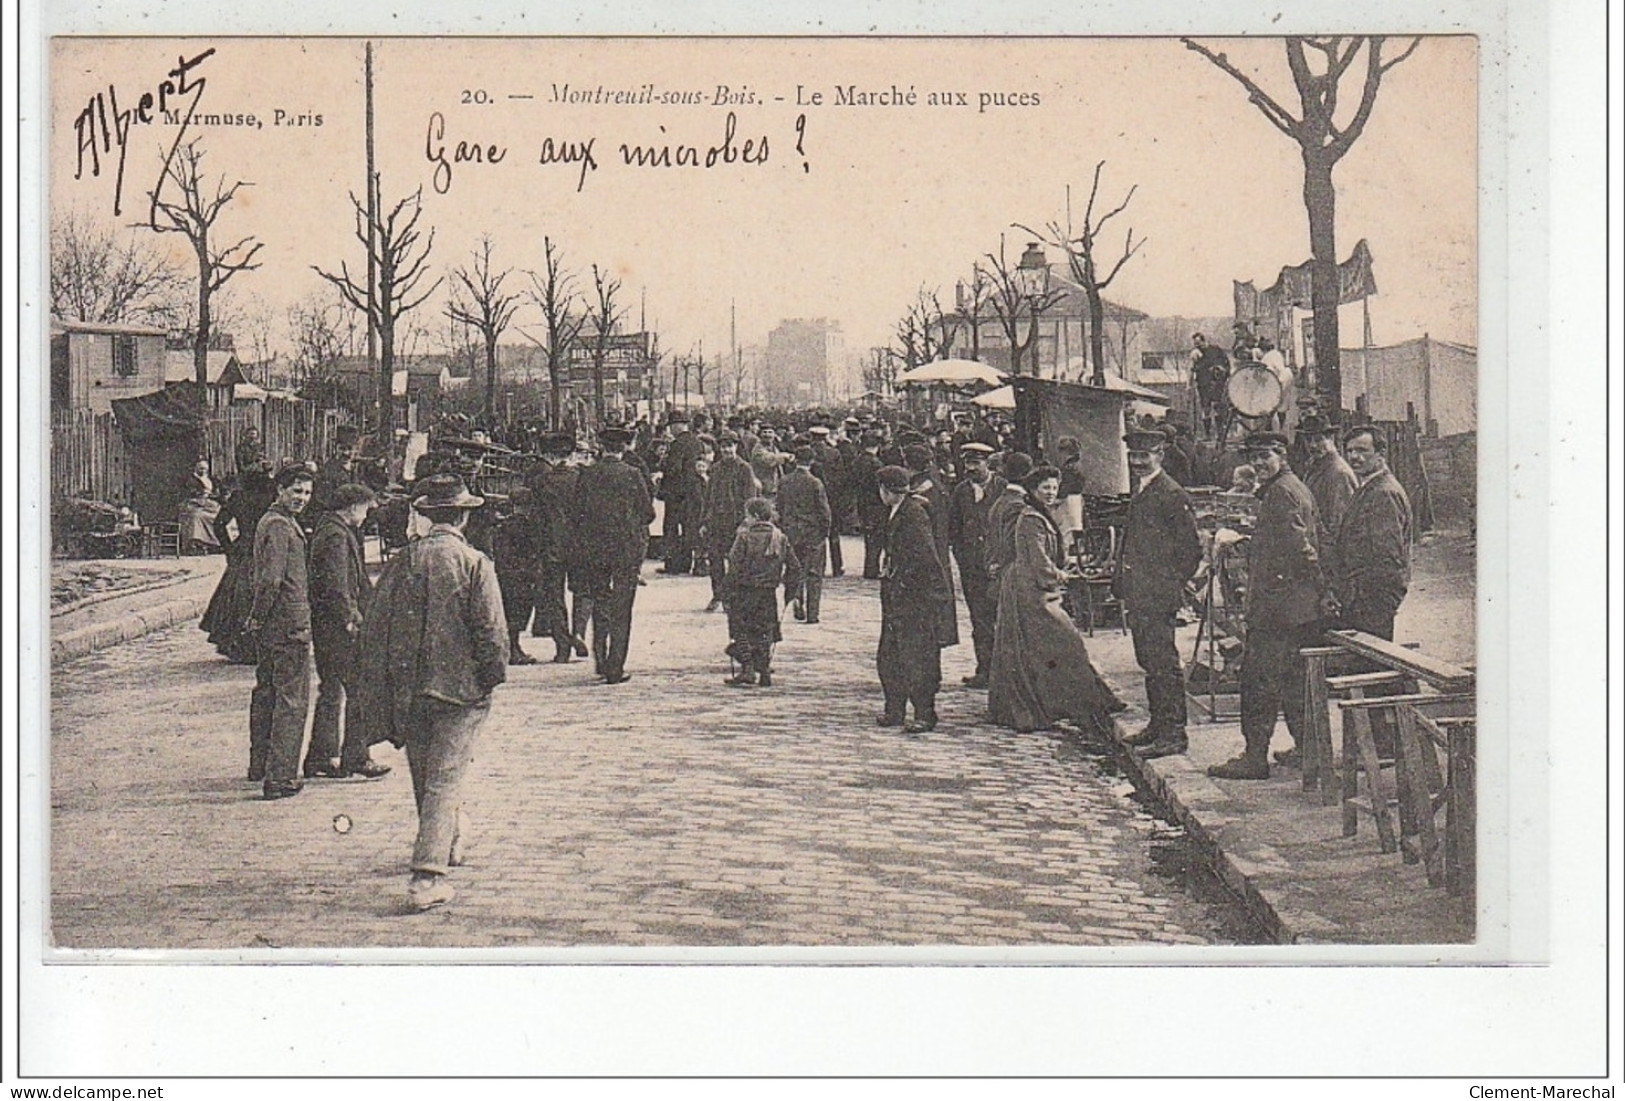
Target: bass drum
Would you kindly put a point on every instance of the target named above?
(1254, 390)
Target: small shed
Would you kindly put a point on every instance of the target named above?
(1047, 409)
(93, 363)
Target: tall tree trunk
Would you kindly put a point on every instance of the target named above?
(598, 386)
(1097, 342)
(554, 398)
(386, 378)
(200, 343)
(490, 380)
(1320, 200)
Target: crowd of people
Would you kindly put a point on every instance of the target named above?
(759, 506)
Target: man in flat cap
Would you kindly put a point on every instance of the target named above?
(732, 483)
(1330, 480)
(804, 517)
(434, 646)
(1369, 557)
(968, 509)
(339, 591)
(612, 516)
(1161, 551)
(830, 470)
(1283, 606)
(279, 623)
(912, 592)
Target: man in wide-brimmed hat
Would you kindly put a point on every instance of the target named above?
(434, 645)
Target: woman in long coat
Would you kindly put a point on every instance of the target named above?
(226, 618)
(1041, 669)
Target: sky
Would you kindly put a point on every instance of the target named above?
(853, 206)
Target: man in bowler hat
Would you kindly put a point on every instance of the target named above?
(612, 517)
(913, 589)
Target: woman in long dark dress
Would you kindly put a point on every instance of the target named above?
(226, 617)
(1040, 670)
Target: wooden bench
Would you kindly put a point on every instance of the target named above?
(1320, 767)
(1423, 731)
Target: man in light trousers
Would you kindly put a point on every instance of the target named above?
(434, 645)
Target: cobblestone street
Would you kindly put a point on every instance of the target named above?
(667, 811)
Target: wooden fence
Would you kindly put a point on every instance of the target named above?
(88, 456)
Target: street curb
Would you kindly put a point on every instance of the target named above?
(1202, 809)
(131, 625)
(118, 594)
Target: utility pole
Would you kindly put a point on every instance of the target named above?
(385, 385)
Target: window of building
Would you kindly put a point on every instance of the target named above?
(126, 363)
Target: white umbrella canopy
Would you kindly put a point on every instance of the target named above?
(953, 372)
(1002, 398)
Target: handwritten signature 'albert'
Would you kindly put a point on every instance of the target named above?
(101, 125)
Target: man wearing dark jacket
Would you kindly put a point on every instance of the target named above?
(1369, 561)
(1328, 476)
(339, 589)
(804, 517)
(553, 489)
(731, 484)
(678, 486)
(1160, 553)
(279, 621)
(612, 517)
(434, 645)
(969, 507)
(866, 499)
(931, 488)
(829, 468)
(912, 593)
(1283, 607)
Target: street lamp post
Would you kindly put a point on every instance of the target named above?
(1032, 278)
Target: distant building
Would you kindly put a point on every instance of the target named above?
(628, 363)
(423, 381)
(93, 363)
(801, 355)
(224, 371)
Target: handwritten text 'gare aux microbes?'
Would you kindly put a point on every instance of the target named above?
(582, 152)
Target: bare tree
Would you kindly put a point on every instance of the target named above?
(96, 276)
(880, 373)
(552, 290)
(321, 331)
(401, 256)
(1011, 303)
(1322, 142)
(1086, 267)
(605, 315)
(192, 214)
(972, 304)
(477, 300)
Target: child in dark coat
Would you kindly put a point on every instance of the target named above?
(760, 560)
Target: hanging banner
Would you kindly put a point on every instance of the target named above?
(1294, 287)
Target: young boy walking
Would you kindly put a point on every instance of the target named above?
(760, 560)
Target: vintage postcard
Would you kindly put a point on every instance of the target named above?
(824, 499)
